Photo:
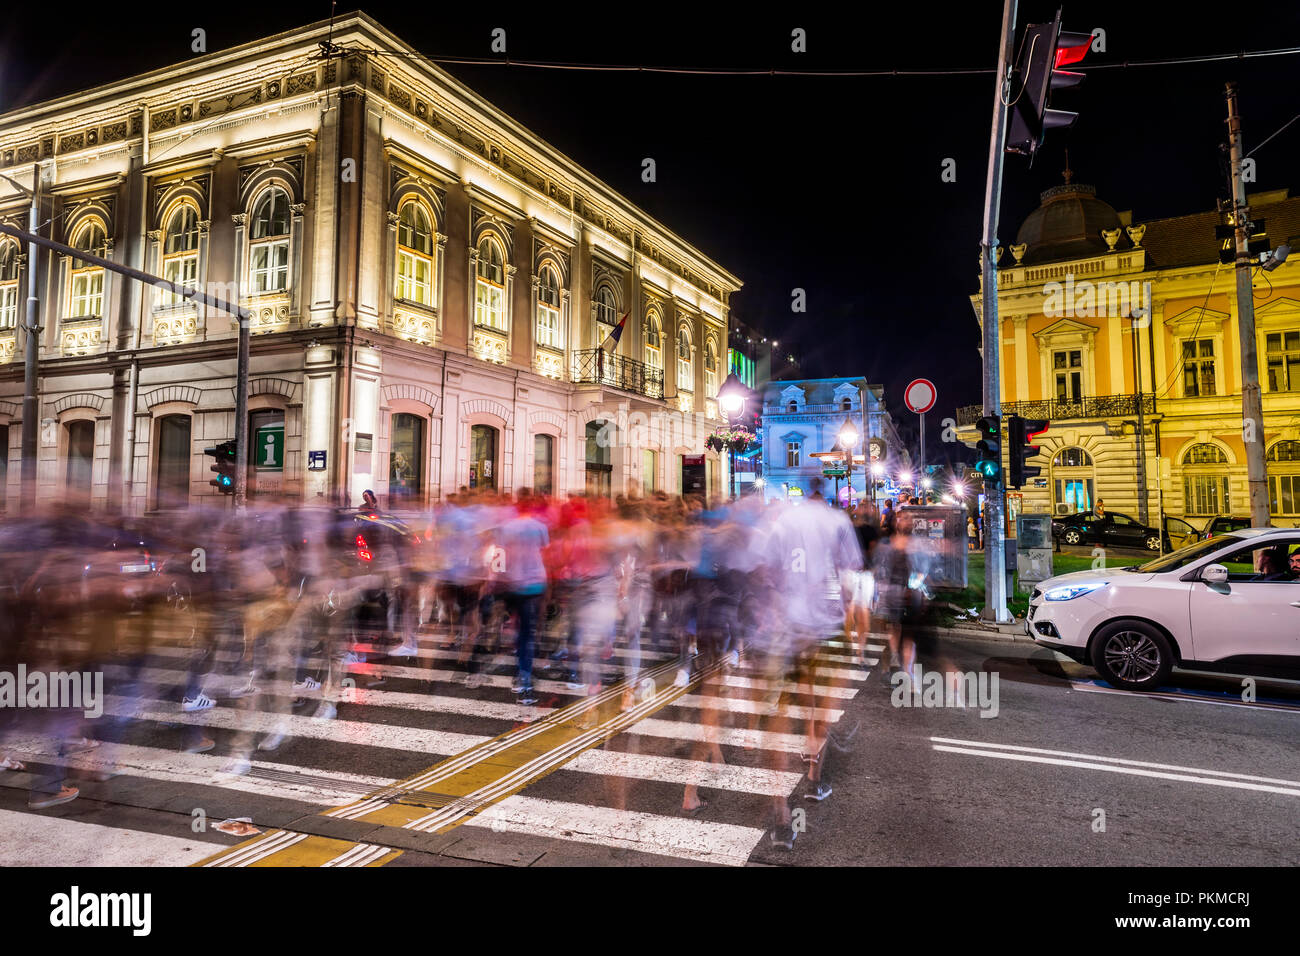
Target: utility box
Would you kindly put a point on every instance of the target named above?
(938, 543)
(1034, 550)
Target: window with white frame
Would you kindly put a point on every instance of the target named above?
(268, 248)
(1283, 461)
(490, 286)
(685, 371)
(1198, 368)
(1282, 354)
(181, 252)
(792, 454)
(1067, 371)
(8, 285)
(1205, 482)
(87, 297)
(710, 370)
(606, 313)
(548, 308)
(415, 254)
(654, 342)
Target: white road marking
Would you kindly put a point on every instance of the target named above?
(35, 839)
(683, 838)
(1140, 768)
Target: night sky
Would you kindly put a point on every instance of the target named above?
(829, 184)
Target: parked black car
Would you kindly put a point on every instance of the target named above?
(1120, 531)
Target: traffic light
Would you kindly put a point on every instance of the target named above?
(224, 466)
(1044, 50)
(1020, 431)
(988, 450)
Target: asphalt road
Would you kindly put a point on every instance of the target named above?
(418, 769)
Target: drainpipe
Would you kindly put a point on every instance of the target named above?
(128, 483)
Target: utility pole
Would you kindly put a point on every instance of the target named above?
(1141, 424)
(241, 410)
(1252, 405)
(995, 581)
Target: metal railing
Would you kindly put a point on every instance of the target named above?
(805, 409)
(1054, 410)
(598, 367)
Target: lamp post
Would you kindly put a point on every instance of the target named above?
(731, 399)
(849, 438)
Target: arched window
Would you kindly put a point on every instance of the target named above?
(415, 254)
(548, 308)
(1284, 478)
(406, 459)
(685, 371)
(846, 405)
(268, 251)
(1071, 458)
(174, 457)
(181, 252)
(1205, 482)
(8, 287)
(1072, 480)
(606, 313)
(490, 286)
(710, 370)
(792, 407)
(88, 278)
(654, 342)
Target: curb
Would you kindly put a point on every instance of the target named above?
(1011, 633)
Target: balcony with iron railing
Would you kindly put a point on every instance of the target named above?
(1056, 410)
(806, 409)
(598, 367)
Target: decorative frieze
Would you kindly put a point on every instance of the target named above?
(490, 345)
(80, 336)
(8, 343)
(549, 362)
(269, 314)
(415, 326)
(174, 326)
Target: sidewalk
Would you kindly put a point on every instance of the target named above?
(986, 630)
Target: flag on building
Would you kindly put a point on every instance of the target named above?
(611, 340)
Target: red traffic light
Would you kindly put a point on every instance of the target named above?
(1072, 47)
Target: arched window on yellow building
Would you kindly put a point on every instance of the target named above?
(1283, 465)
(1072, 479)
(1205, 481)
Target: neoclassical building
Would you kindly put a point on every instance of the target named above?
(430, 286)
(1079, 350)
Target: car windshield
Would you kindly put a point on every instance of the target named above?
(1185, 556)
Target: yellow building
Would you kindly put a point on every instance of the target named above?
(1124, 336)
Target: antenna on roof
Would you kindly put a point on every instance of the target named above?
(1068, 173)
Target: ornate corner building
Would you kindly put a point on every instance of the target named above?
(1124, 336)
(430, 286)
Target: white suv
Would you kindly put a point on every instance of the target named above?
(1228, 604)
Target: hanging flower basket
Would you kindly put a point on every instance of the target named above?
(738, 440)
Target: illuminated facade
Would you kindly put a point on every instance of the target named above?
(1072, 353)
(430, 284)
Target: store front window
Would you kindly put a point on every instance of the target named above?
(406, 460)
(483, 457)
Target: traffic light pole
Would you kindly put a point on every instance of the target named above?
(1252, 405)
(995, 581)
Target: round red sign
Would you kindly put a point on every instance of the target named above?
(919, 396)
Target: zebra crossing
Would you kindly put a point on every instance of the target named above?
(414, 761)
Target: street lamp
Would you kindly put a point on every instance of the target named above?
(849, 438)
(731, 399)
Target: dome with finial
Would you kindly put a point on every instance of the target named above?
(1068, 224)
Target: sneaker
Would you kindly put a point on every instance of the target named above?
(200, 702)
(235, 767)
(782, 835)
(473, 680)
(405, 650)
(306, 685)
(817, 791)
(243, 688)
(733, 658)
(271, 741)
(46, 800)
(518, 686)
(683, 677)
(573, 682)
(201, 746)
(352, 657)
(526, 697)
(326, 711)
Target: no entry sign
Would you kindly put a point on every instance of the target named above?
(919, 396)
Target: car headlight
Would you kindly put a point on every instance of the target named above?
(1068, 592)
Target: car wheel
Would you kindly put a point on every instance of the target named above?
(1153, 542)
(1072, 536)
(1132, 655)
